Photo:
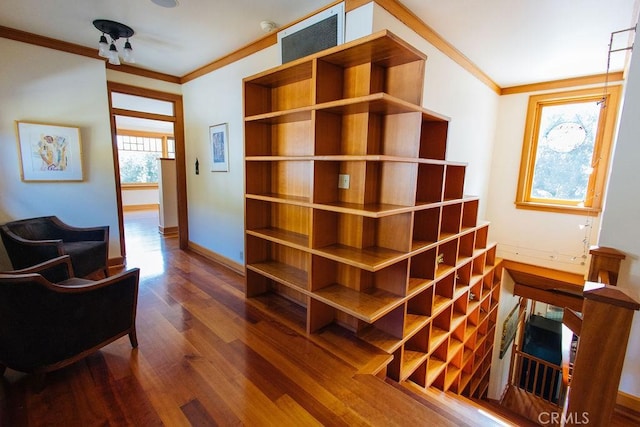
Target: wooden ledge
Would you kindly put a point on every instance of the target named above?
(572, 280)
(607, 252)
(620, 297)
(556, 287)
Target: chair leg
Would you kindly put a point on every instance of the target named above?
(133, 338)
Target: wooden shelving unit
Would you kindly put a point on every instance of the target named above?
(398, 255)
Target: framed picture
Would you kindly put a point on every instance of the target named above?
(509, 329)
(219, 137)
(49, 152)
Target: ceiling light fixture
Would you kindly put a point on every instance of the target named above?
(165, 3)
(268, 26)
(116, 31)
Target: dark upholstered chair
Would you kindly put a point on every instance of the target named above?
(50, 319)
(32, 241)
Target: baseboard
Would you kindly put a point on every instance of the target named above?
(629, 405)
(212, 256)
(116, 262)
(115, 265)
(129, 208)
(168, 230)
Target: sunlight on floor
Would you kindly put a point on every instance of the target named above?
(144, 242)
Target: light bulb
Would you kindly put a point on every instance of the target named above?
(113, 55)
(103, 47)
(127, 55)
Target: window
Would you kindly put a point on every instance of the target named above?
(138, 154)
(565, 155)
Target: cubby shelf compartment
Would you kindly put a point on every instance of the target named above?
(397, 256)
(281, 89)
(363, 294)
(267, 221)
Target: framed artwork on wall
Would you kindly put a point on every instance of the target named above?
(49, 152)
(219, 137)
(509, 329)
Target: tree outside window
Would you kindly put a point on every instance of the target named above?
(566, 150)
(138, 154)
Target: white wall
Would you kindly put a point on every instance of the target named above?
(622, 211)
(136, 197)
(500, 367)
(548, 239)
(168, 193)
(45, 85)
(472, 106)
(216, 199)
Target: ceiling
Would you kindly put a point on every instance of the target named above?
(513, 42)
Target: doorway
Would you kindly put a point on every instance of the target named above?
(148, 116)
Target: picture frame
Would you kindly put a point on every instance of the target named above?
(219, 149)
(509, 329)
(49, 152)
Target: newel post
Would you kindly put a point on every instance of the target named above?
(605, 262)
(607, 315)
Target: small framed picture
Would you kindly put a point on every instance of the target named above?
(219, 137)
(49, 152)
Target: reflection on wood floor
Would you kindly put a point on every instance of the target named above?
(207, 357)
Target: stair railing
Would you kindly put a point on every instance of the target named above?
(537, 376)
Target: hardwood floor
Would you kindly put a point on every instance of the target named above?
(207, 357)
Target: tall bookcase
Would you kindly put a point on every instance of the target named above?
(354, 213)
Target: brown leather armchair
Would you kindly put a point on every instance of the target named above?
(34, 240)
(50, 319)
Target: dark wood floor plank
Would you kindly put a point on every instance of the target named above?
(197, 414)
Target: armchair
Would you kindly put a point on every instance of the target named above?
(50, 319)
(34, 240)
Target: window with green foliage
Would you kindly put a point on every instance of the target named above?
(138, 155)
(566, 150)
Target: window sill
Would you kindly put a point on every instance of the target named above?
(148, 186)
(575, 210)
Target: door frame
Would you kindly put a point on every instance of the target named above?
(178, 127)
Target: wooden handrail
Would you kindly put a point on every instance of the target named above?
(573, 320)
(607, 315)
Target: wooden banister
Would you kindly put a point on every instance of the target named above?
(607, 316)
(605, 265)
(573, 320)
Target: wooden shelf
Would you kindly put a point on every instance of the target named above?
(414, 323)
(410, 362)
(281, 198)
(368, 306)
(436, 367)
(380, 339)
(370, 259)
(406, 268)
(281, 236)
(282, 273)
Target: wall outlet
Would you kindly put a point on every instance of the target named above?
(343, 181)
(241, 255)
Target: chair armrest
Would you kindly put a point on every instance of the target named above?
(29, 242)
(132, 275)
(25, 253)
(76, 234)
(54, 270)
